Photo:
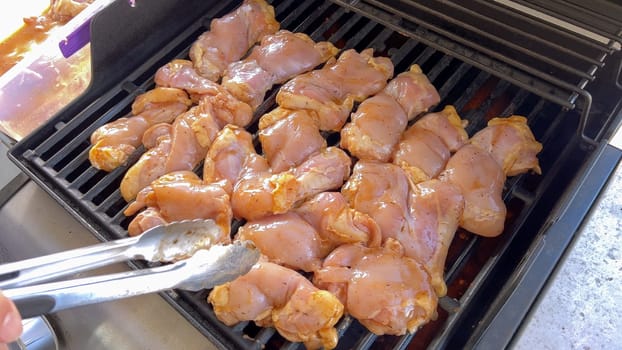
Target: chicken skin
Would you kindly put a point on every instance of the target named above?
(480, 179)
(176, 196)
(259, 192)
(425, 147)
(278, 58)
(511, 143)
(291, 139)
(273, 295)
(383, 289)
(114, 142)
(231, 36)
(330, 92)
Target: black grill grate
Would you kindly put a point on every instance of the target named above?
(479, 82)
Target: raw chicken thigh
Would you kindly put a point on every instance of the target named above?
(425, 147)
(259, 192)
(278, 58)
(480, 179)
(227, 156)
(383, 289)
(114, 142)
(231, 36)
(511, 143)
(179, 196)
(273, 295)
(376, 126)
(330, 92)
(301, 238)
(380, 190)
(290, 139)
(172, 147)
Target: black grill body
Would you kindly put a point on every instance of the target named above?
(484, 58)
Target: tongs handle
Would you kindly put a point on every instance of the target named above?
(40, 299)
(52, 266)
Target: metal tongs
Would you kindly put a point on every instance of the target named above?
(198, 263)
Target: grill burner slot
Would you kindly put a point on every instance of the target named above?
(478, 85)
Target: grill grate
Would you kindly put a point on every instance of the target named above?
(470, 77)
(524, 49)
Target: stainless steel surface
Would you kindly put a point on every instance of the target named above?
(38, 335)
(172, 242)
(206, 269)
(142, 322)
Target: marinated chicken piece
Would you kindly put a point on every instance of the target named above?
(425, 147)
(180, 195)
(181, 74)
(413, 91)
(380, 190)
(421, 153)
(172, 147)
(259, 192)
(436, 208)
(231, 36)
(278, 58)
(511, 143)
(301, 238)
(331, 91)
(285, 54)
(291, 139)
(227, 156)
(286, 239)
(383, 289)
(322, 172)
(337, 223)
(64, 10)
(273, 295)
(447, 125)
(375, 128)
(114, 142)
(480, 179)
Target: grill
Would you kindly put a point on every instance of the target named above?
(485, 58)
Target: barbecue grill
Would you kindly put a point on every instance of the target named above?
(486, 58)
